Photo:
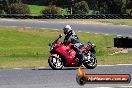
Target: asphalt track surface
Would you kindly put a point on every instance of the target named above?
(48, 78)
(66, 78)
(94, 28)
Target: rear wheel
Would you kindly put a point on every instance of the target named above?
(91, 62)
(55, 63)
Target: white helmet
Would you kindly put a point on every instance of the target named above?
(66, 29)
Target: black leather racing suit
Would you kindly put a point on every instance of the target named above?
(71, 37)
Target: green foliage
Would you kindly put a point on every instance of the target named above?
(37, 10)
(110, 6)
(130, 4)
(77, 6)
(52, 2)
(117, 7)
(14, 1)
(51, 9)
(2, 12)
(129, 7)
(18, 8)
(129, 11)
(81, 8)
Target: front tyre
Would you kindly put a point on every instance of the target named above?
(55, 63)
(91, 63)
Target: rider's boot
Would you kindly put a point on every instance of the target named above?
(80, 54)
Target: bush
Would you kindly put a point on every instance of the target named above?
(52, 2)
(129, 11)
(51, 10)
(81, 8)
(2, 12)
(14, 1)
(18, 8)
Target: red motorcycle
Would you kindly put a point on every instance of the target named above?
(64, 56)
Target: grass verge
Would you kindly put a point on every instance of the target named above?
(26, 47)
(95, 21)
(117, 21)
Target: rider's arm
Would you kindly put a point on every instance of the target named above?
(64, 42)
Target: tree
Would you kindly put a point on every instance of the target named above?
(14, 1)
(81, 8)
(52, 2)
(51, 9)
(15, 7)
(129, 7)
(111, 6)
(18, 8)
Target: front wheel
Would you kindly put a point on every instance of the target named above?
(91, 62)
(55, 63)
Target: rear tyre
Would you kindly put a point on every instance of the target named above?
(55, 63)
(91, 63)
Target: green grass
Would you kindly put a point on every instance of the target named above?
(25, 47)
(36, 10)
(91, 12)
(63, 11)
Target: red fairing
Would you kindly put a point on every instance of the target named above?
(68, 53)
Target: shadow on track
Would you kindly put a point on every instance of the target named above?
(48, 68)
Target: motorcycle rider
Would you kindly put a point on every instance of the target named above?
(71, 37)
